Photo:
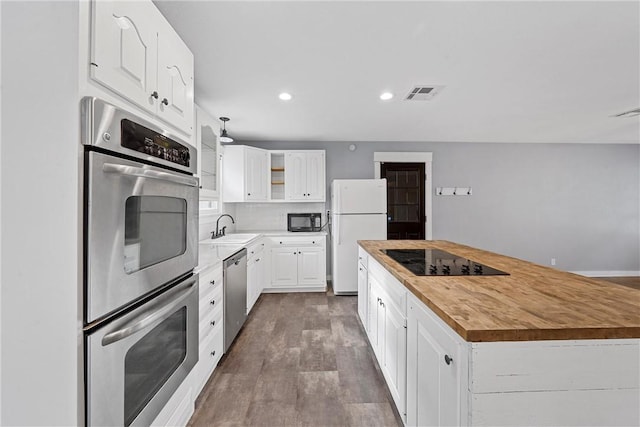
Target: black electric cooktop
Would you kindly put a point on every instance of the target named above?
(434, 262)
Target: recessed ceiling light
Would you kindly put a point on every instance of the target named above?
(285, 96)
(386, 96)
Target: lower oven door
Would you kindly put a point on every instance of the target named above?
(136, 362)
(141, 231)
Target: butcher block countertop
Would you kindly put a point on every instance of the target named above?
(532, 303)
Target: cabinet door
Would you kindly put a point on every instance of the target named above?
(295, 176)
(284, 266)
(433, 385)
(252, 283)
(372, 315)
(311, 266)
(377, 320)
(175, 80)
(316, 186)
(395, 354)
(207, 144)
(124, 49)
(363, 297)
(256, 174)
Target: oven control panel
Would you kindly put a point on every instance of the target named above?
(143, 140)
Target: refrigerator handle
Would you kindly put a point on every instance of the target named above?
(337, 223)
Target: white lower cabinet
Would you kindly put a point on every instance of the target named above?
(256, 271)
(298, 264)
(388, 336)
(363, 288)
(437, 378)
(433, 371)
(211, 326)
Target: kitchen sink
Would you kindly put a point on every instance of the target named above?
(234, 239)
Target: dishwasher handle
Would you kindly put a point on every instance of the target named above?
(235, 258)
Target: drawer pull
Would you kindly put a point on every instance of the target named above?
(213, 302)
(213, 282)
(213, 353)
(447, 359)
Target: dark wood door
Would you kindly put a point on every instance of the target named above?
(405, 200)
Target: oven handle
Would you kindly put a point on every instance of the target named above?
(169, 302)
(147, 173)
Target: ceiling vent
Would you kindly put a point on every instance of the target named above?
(631, 113)
(423, 93)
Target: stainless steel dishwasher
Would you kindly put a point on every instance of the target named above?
(235, 295)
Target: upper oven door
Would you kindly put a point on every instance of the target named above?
(141, 230)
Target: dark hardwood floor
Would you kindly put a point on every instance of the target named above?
(631, 282)
(301, 360)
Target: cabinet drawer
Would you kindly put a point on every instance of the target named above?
(211, 322)
(396, 291)
(363, 257)
(318, 241)
(210, 302)
(210, 279)
(211, 349)
(254, 250)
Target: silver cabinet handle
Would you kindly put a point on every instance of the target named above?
(147, 173)
(169, 302)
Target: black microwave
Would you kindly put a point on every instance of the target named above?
(304, 222)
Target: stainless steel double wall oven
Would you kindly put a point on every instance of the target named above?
(140, 249)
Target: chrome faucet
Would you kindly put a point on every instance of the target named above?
(219, 233)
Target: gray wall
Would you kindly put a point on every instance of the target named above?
(41, 331)
(578, 203)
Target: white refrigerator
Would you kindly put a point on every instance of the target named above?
(358, 212)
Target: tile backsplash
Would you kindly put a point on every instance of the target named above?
(272, 216)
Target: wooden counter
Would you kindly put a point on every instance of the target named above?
(532, 303)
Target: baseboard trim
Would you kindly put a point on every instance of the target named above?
(294, 289)
(618, 273)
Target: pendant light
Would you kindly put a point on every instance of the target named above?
(224, 137)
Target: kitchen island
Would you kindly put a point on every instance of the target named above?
(536, 346)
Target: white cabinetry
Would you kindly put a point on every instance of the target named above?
(136, 54)
(387, 330)
(256, 271)
(433, 370)
(211, 325)
(208, 155)
(245, 174)
(363, 288)
(304, 176)
(298, 263)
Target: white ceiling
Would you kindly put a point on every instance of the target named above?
(514, 71)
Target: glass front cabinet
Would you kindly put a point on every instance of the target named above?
(207, 130)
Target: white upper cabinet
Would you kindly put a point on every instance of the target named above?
(304, 176)
(244, 175)
(175, 79)
(208, 154)
(136, 53)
